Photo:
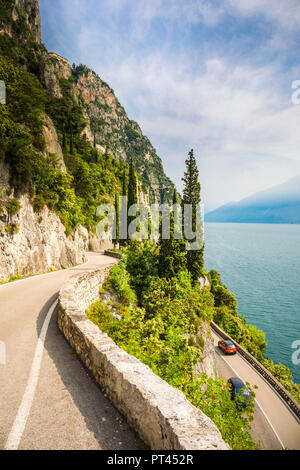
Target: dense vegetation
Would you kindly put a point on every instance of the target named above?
(91, 178)
(114, 130)
(163, 315)
(20, 45)
(161, 324)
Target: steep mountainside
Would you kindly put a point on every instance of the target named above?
(106, 120)
(277, 205)
(108, 125)
(119, 135)
(65, 144)
(15, 14)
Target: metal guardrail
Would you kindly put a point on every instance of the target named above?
(287, 397)
(278, 387)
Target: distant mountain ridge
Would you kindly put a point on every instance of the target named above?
(277, 205)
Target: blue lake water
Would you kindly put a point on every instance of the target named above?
(260, 264)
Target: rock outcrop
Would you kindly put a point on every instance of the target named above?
(27, 13)
(52, 145)
(31, 12)
(33, 243)
(107, 121)
(207, 364)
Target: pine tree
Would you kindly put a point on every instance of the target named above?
(172, 256)
(191, 196)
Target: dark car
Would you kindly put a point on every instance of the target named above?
(239, 392)
(227, 347)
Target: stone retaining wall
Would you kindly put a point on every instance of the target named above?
(162, 416)
(112, 254)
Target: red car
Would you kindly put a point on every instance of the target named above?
(227, 347)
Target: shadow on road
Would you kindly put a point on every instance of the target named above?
(107, 425)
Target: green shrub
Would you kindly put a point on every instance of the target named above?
(120, 281)
(38, 203)
(12, 229)
(13, 207)
(160, 333)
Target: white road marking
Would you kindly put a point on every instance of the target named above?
(268, 420)
(266, 381)
(2, 353)
(18, 427)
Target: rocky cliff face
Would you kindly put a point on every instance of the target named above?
(52, 146)
(108, 123)
(32, 243)
(207, 364)
(119, 135)
(106, 120)
(20, 15)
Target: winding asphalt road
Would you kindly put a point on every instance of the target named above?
(68, 410)
(49, 401)
(275, 426)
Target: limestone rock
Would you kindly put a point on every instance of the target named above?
(52, 144)
(39, 243)
(29, 10)
(49, 78)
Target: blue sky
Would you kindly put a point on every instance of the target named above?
(214, 75)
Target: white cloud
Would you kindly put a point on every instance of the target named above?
(244, 131)
(285, 13)
(237, 108)
(237, 114)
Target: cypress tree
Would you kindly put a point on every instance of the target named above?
(124, 184)
(124, 194)
(172, 257)
(132, 190)
(71, 138)
(64, 144)
(117, 220)
(192, 196)
(132, 185)
(71, 143)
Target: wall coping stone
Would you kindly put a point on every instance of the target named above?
(159, 413)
